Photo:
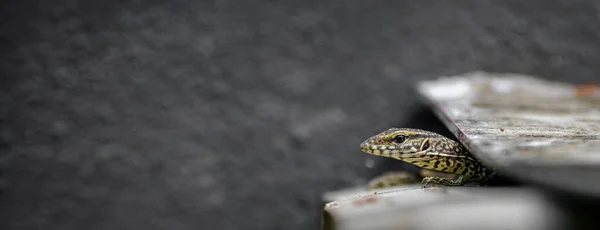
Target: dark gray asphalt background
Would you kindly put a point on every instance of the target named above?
(237, 114)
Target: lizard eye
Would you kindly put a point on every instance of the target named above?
(399, 138)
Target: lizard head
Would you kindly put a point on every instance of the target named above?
(399, 143)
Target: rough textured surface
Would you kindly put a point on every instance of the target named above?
(182, 114)
(524, 126)
(411, 207)
(519, 120)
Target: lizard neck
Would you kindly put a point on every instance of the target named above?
(449, 156)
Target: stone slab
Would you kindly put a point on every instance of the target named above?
(524, 126)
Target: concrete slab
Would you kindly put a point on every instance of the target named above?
(410, 207)
(526, 127)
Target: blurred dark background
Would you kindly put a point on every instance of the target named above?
(237, 114)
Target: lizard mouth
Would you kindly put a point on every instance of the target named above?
(386, 151)
(381, 150)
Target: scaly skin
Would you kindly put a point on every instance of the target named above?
(429, 150)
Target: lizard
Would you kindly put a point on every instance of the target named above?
(428, 150)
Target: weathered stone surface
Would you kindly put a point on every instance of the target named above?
(527, 127)
(410, 207)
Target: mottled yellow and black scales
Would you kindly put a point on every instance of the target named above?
(431, 151)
